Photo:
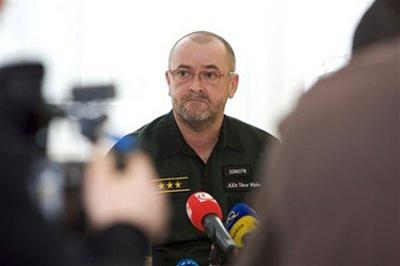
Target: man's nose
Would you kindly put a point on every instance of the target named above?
(196, 84)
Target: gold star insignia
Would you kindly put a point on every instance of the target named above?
(172, 184)
(169, 185)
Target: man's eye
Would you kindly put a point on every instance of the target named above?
(210, 75)
(183, 73)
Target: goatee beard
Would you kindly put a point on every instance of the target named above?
(197, 122)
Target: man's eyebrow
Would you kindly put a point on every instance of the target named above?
(203, 66)
(210, 67)
(184, 66)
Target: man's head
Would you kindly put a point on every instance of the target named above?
(206, 36)
(381, 22)
(201, 78)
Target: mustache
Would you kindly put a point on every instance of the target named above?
(196, 96)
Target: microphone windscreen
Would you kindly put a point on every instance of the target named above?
(199, 205)
(241, 228)
(237, 212)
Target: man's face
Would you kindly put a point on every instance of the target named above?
(199, 100)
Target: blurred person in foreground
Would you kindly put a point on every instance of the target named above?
(332, 191)
(196, 147)
(119, 225)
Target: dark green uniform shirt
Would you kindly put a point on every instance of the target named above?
(228, 175)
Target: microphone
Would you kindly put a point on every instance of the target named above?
(187, 262)
(205, 214)
(241, 222)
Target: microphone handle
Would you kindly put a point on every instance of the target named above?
(216, 231)
(215, 258)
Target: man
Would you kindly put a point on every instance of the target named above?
(332, 194)
(195, 146)
(119, 228)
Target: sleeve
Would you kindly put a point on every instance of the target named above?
(118, 245)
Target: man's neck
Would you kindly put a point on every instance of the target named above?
(201, 141)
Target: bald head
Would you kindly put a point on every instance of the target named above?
(205, 37)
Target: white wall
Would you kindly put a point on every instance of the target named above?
(282, 46)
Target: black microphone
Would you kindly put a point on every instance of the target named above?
(205, 214)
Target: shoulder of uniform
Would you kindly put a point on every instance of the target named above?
(150, 129)
(244, 128)
(146, 137)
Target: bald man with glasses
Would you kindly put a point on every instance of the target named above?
(196, 147)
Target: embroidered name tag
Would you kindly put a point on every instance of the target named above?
(240, 184)
(173, 184)
(237, 171)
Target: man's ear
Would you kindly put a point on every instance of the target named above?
(233, 85)
(168, 78)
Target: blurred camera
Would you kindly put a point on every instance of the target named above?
(25, 117)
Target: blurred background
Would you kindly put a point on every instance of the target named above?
(282, 48)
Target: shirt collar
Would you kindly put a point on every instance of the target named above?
(229, 137)
(172, 141)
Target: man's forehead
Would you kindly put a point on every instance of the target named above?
(207, 54)
(189, 44)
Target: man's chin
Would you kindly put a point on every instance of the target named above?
(196, 120)
(196, 109)
(196, 117)
(195, 105)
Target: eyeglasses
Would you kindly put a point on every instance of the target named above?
(208, 76)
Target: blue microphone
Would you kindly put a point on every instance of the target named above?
(237, 212)
(187, 262)
(122, 149)
(241, 222)
(124, 145)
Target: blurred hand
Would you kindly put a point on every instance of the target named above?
(129, 196)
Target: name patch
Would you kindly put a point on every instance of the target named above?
(237, 171)
(240, 184)
(173, 184)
